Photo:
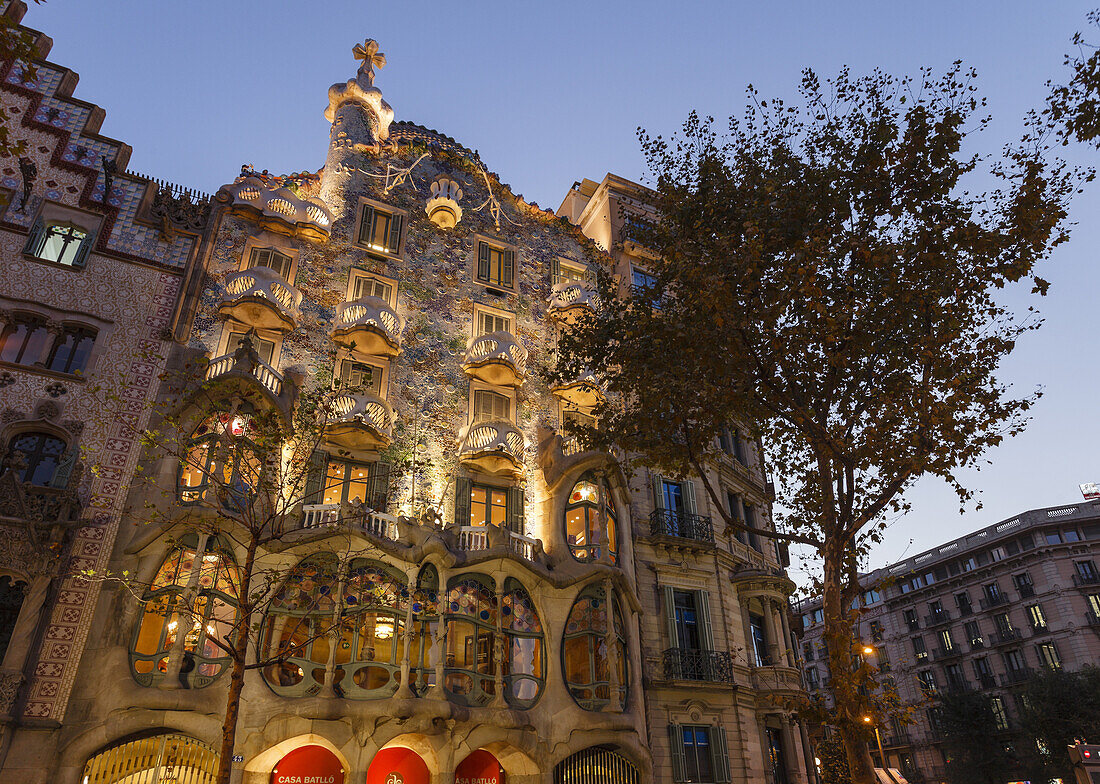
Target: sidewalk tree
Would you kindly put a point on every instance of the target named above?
(829, 273)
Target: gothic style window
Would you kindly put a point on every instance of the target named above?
(221, 464)
(583, 523)
(277, 262)
(24, 340)
(380, 230)
(495, 266)
(61, 243)
(192, 601)
(524, 670)
(41, 456)
(11, 602)
(586, 662)
(72, 350)
(470, 663)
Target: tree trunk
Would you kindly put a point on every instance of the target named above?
(236, 679)
(839, 641)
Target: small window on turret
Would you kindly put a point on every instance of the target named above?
(380, 230)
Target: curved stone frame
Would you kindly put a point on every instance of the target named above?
(595, 594)
(165, 602)
(220, 449)
(425, 616)
(480, 683)
(363, 589)
(592, 552)
(516, 638)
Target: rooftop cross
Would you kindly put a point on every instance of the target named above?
(371, 57)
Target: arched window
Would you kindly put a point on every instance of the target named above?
(376, 600)
(11, 602)
(425, 608)
(585, 659)
(221, 463)
(41, 456)
(156, 758)
(194, 594)
(298, 630)
(524, 668)
(24, 340)
(583, 523)
(470, 665)
(73, 349)
(606, 766)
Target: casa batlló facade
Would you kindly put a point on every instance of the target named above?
(514, 608)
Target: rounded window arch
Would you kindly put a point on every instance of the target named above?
(220, 464)
(375, 602)
(42, 456)
(584, 523)
(524, 666)
(192, 602)
(586, 663)
(470, 657)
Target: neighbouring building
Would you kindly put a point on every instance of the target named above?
(980, 613)
(517, 609)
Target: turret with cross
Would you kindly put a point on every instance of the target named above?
(371, 59)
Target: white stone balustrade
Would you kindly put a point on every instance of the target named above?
(370, 324)
(261, 298)
(569, 298)
(245, 361)
(472, 538)
(375, 523)
(496, 358)
(495, 447)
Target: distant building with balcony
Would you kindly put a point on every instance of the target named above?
(983, 612)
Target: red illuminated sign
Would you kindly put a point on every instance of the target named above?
(397, 766)
(481, 767)
(309, 765)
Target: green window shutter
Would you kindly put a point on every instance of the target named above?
(706, 629)
(689, 497)
(658, 491)
(315, 479)
(676, 745)
(394, 244)
(720, 755)
(34, 238)
(378, 486)
(509, 272)
(463, 488)
(366, 223)
(515, 510)
(482, 261)
(670, 617)
(555, 271)
(82, 252)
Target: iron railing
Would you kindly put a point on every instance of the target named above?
(683, 525)
(697, 665)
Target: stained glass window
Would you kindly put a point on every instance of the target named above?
(583, 523)
(585, 659)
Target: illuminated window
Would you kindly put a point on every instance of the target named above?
(488, 505)
(42, 455)
(479, 505)
(264, 348)
(277, 262)
(365, 483)
(495, 266)
(221, 464)
(359, 375)
(524, 668)
(491, 407)
(491, 322)
(366, 286)
(585, 657)
(584, 523)
(191, 606)
(61, 243)
(470, 663)
(380, 230)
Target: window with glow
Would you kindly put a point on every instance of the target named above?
(488, 505)
(191, 603)
(585, 523)
(586, 661)
(380, 230)
(24, 340)
(221, 465)
(61, 243)
(42, 453)
(365, 286)
(491, 407)
(496, 266)
(524, 668)
(470, 657)
(364, 483)
(277, 262)
(425, 609)
(360, 375)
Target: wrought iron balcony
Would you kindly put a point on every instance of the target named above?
(1006, 636)
(260, 298)
(697, 665)
(987, 681)
(369, 325)
(36, 503)
(359, 420)
(987, 602)
(1092, 619)
(1082, 580)
(947, 653)
(496, 358)
(935, 619)
(494, 447)
(245, 362)
(1013, 677)
(1026, 591)
(681, 525)
(1038, 629)
(569, 299)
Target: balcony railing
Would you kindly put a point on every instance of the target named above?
(495, 446)
(1013, 677)
(316, 516)
(43, 504)
(1006, 636)
(261, 298)
(1026, 591)
(941, 652)
(681, 525)
(965, 610)
(496, 358)
(359, 420)
(935, 619)
(986, 602)
(1081, 580)
(987, 681)
(1092, 619)
(1038, 629)
(695, 665)
(472, 538)
(245, 361)
(370, 324)
(569, 299)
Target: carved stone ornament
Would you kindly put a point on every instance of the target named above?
(47, 409)
(6, 379)
(442, 207)
(361, 90)
(9, 415)
(56, 389)
(178, 213)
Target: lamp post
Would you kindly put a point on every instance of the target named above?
(878, 740)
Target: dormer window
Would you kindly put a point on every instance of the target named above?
(277, 262)
(380, 230)
(59, 242)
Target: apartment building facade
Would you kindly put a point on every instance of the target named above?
(983, 612)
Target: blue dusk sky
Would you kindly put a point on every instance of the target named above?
(550, 93)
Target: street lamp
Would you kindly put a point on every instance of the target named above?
(878, 740)
(868, 650)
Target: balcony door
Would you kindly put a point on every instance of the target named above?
(686, 620)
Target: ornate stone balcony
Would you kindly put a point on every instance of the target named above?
(496, 358)
(320, 516)
(369, 325)
(246, 363)
(494, 447)
(278, 209)
(584, 391)
(359, 420)
(774, 677)
(571, 298)
(473, 538)
(260, 298)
